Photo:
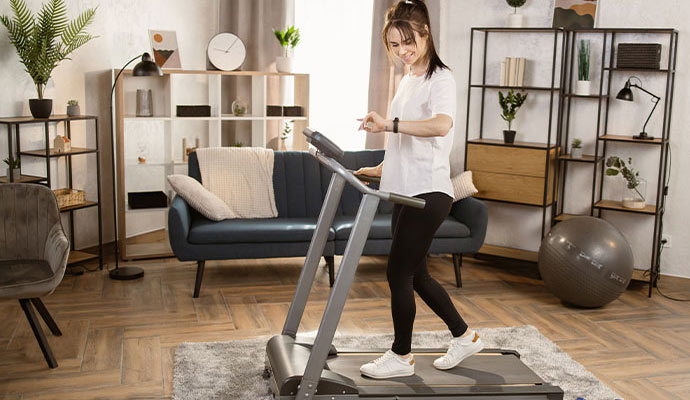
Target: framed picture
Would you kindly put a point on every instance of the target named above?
(574, 14)
(165, 51)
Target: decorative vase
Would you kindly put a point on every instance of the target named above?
(239, 107)
(73, 111)
(635, 198)
(515, 20)
(508, 137)
(576, 152)
(41, 108)
(582, 88)
(144, 103)
(284, 64)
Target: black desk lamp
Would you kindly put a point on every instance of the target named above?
(145, 67)
(627, 95)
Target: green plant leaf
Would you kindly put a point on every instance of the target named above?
(611, 171)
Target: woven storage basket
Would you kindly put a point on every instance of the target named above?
(69, 197)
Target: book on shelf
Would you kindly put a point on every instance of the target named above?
(512, 71)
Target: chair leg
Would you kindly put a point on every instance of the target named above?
(41, 308)
(457, 263)
(38, 332)
(199, 277)
(330, 262)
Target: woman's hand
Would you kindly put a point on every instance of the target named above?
(372, 122)
(370, 171)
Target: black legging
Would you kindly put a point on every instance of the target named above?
(413, 231)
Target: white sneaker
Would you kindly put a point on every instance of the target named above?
(460, 348)
(389, 365)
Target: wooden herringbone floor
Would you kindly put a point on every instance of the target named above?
(119, 338)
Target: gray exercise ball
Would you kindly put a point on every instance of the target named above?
(585, 261)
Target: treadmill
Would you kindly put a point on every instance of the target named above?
(305, 371)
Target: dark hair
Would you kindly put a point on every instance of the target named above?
(409, 16)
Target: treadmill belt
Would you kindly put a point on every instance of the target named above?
(480, 369)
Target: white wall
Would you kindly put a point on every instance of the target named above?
(122, 27)
(518, 226)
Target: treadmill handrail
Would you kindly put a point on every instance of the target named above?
(353, 180)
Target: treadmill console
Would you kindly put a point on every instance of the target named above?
(324, 144)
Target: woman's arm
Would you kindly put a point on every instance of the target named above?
(371, 171)
(438, 125)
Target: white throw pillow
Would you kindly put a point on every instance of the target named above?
(463, 186)
(199, 198)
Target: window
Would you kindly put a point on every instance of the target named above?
(335, 50)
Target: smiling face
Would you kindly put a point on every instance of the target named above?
(409, 46)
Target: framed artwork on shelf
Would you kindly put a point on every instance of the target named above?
(574, 14)
(165, 50)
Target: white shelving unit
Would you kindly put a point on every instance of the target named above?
(158, 139)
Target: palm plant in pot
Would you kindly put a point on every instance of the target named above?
(634, 196)
(42, 41)
(510, 104)
(288, 39)
(13, 168)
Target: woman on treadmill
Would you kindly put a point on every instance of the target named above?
(417, 163)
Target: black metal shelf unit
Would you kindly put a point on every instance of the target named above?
(603, 137)
(554, 91)
(13, 125)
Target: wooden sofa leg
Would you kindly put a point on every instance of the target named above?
(41, 308)
(330, 262)
(199, 277)
(38, 332)
(457, 263)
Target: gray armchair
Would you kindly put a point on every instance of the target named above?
(33, 253)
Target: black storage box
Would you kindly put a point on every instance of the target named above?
(274, 111)
(638, 55)
(139, 200)
(293, 111)
(193, 111)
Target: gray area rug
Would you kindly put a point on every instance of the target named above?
(233, 370)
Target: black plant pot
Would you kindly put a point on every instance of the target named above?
(41, 108)
(508, 137)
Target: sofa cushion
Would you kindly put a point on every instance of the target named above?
(199, 198)
(204, 231)
(381, 228)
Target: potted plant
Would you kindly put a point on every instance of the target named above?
(73, 108)
(284, 135)
(287, 39)
(634, 196)
(510, 104)
(13, 168)
(515, 19)
(576, 148)
(43, 41)
(582, 87)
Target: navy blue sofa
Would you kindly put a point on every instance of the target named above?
(300, 184)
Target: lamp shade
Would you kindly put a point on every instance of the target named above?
(625, 93)
(146, 67)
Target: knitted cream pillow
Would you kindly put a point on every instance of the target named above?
(199, 198)
(463, 186)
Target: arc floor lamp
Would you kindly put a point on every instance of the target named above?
(145, 67)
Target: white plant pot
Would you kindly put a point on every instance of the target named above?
(284, 64)
(634, 203)
(576, 153)
(582, 88)
(515, 20)
(16, 174)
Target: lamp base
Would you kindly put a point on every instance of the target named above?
(643, 136)
(126, 273)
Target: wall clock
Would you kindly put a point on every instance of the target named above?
(226, 51)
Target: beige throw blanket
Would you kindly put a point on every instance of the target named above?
(242, 178)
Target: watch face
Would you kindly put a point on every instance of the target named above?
(226, 51)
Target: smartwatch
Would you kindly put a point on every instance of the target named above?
(395, 124)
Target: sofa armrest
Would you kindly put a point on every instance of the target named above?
(179, 223)
(474, 214)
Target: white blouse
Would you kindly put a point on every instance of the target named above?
(415, 165)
